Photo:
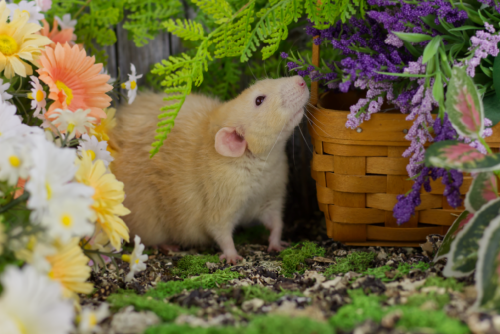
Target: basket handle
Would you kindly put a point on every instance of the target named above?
(314, 84)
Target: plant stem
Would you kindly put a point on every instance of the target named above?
(81, 9)
(486, 146)
(15, 202)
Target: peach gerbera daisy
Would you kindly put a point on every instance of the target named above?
(18, 41)
(74, 81)
(56, 36)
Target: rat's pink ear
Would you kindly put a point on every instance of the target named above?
(229, 143)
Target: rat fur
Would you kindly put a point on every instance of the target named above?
(223, 164)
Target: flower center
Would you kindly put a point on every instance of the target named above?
(51, 274)
(66, 90)
(137, 261)
(92, 320)
(92, 154)
(14, 161)
(71, 127)
(8, 45)
(133, 85)
(66, 220)
(126, 258)
(20, 326)
(39, 96)
(49, 190)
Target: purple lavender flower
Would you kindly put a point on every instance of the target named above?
(491, 3)
(284, 55)
(483, 44)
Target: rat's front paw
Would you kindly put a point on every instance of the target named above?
(232, 257)
(277, 246)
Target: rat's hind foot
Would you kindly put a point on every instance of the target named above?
(277, 246)
(230, 257)
(165, 249)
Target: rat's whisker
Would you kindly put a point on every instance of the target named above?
(316, 124)
(312, 115)
(305, 141)
(275, 143)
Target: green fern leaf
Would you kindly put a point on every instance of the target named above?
(187, 29)
(220, 10)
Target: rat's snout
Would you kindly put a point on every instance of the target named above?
(300, 81)
(294, 93)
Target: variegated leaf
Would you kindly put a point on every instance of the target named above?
(487, 274)
(451, 235)
(464, 104)
(452, 154)
(463, 254)
(483, 189)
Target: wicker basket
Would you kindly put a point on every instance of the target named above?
(360, 172)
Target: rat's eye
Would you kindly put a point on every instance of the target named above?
(259, 100)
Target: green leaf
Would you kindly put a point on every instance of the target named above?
(464, 104)
(487, 272)
(451, 154)
(496, 75)
(465, 28)
(412, 37)
(483, 189)
(491, 106)
(437, 89)
(413, 50)
(464, 250)
(451, 235)
(220, 10)
(431, 49)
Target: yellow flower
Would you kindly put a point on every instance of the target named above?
(108, 198)
(102, 130)
(69, 267)
(18, 40)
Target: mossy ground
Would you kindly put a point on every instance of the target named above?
(290, 292)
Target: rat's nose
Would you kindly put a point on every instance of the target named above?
(300, 81)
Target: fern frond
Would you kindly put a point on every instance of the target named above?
(143, 22)
(187, 29)
(233, 35)
(220, 10)
(272, 27)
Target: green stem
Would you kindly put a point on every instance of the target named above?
(486, 146)
(102, 253)
(15, 202)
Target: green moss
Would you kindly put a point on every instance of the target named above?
(251, 235)
(294, 257)
(166, 311)
(363, 307)
(429, 322)
(262, 292)
(205, 281)
(448, 283)
(281, 324)
(418, 300)
(413, 318)
(403, 269)
(259, 325)
(186, 329)
(357, 262)
(193, 265)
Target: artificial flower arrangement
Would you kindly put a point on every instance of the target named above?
(60, 204)
(436, 61)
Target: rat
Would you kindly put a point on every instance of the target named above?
(223, 165)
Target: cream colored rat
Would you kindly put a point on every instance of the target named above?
(223, 164)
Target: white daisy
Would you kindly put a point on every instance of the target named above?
(73, 123)
(3, 91)
(32, 303)
(66, 22)
(51, 176)
(30, 8)
(37, 96)
(90, 318)
(15, 160)
(10, 123)
(131, 84)
(44, 4)
(69, 217)
(96, 149)
(136, 259)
